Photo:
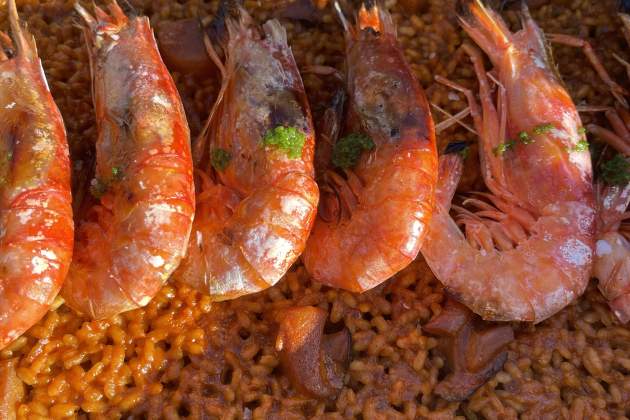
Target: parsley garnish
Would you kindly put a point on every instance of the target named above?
(581, 146)
(543, 128)
(288, 139)
(525, 138)
(616, 171)
(116, 173)
(219, 159)
(503, 147)
(347, 150)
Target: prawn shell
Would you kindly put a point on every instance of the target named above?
(130, 242)
(254, 215)
(386, 229)
(544, 185)
(36, 224)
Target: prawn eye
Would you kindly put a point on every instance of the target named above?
(287, 139)
(347, 150)
(220, 158)
(462, 148)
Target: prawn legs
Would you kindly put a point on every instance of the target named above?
(527, 250)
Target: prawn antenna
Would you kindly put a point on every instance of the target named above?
(463, 8)
(22, 43)
(484, 26)
(87, 16)
(131, 9)
(341, 16)
(525, 14)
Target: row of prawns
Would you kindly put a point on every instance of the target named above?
(527, 251)
(129, 240)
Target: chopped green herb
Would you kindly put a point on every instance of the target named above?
(220, 158)
(543, 128)
(98, 188)
(347, 150)
(116, 173)
(581, 146)
(582, 130)
(525, 138)
(288, 139)
(616, 171)
(464, 152)
(503, 147)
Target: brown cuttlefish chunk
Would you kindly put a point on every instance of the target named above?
(475, 349)
(306, 10)
(314, 362)
(182, 46)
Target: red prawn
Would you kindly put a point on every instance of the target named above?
(132, 240)
(36, 225)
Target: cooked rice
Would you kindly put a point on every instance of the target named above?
(183, 357)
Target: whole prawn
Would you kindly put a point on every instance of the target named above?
(257, 194)
(528, 252)
(611, 265)
(36, 226)
(134, 237)
(373, 215)
(611, 262)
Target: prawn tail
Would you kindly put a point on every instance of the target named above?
(485, 27)
(450, 170)
(101, 23)
(374, 17)
(23, 41)
(342, 18)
